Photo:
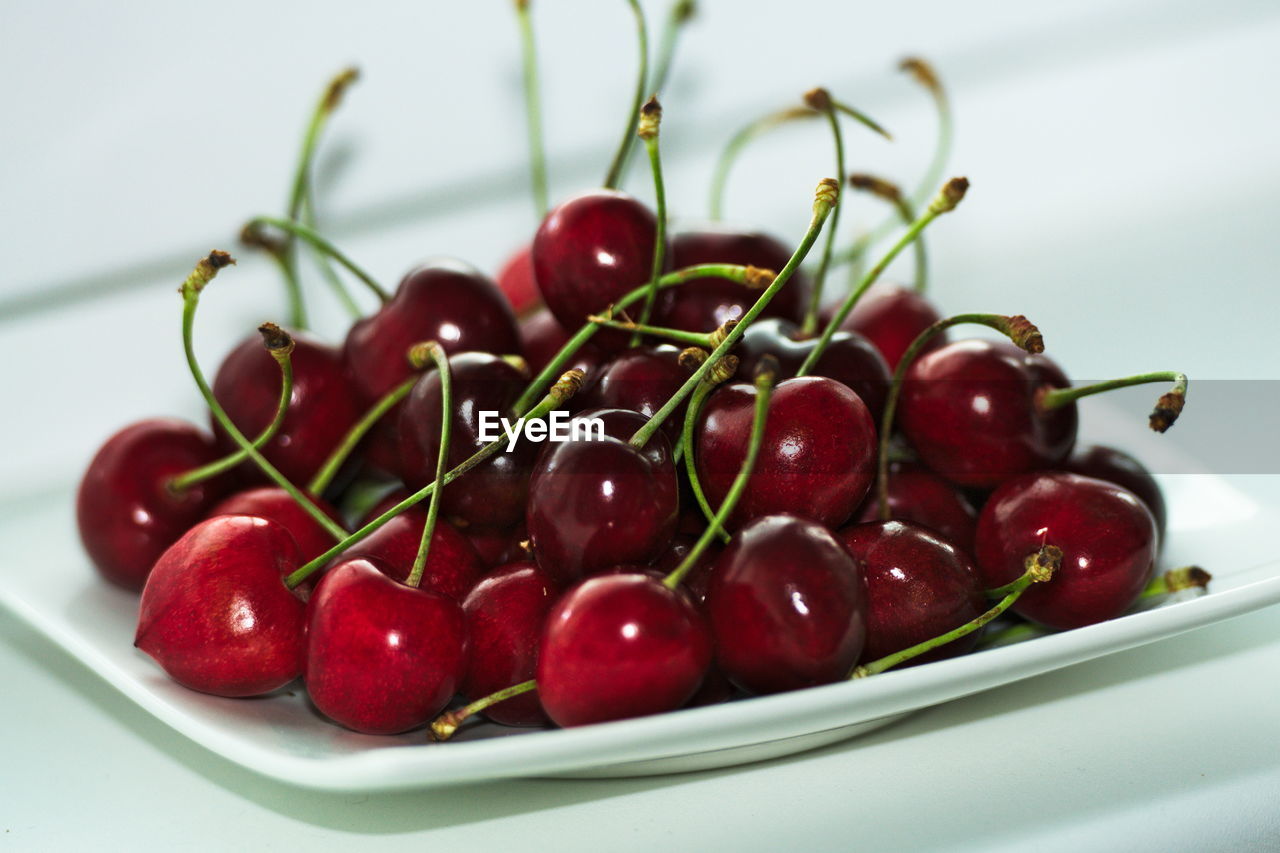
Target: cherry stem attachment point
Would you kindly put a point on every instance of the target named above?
(316, 241)
(614, 176)
(533, 110)
(333, 464)
(648, 130)
(447, 723)
(1167, 409)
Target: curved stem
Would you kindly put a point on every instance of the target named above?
(441, 359)
(614, 175)
(1017, 328)
(533, 110)
(1167, 409)
(650, 120)
(691, 415)
(693, 339)
(827, 194)
(890, 192)
(680, 13)
(333, 464)
(326, 268)
(190, 301)
(720, 177)
(810, 324)
(447, 723)
(320, 244)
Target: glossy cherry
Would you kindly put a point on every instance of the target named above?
(1116, 466)
(891, 316)
(969, 411)
(516, 281)
(498, 546)
(919, 496)
(125, 511)
(787, 605)
(919, 586)
(452, 566)
(818, 455)
(382, 657)
(277, 505)
(1106, 534)
(216, 614)
(505, 613)
(640, 379)
(618, 646)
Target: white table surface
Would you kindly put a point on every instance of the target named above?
(1125, 196)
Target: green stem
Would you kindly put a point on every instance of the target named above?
(447, 723)
(441, 359)
(614, 175)
(810, 324)
(720, 177)
(329, 470)
(326, 268)
(691, 469)
(533, 110)
(680, 336)
(678, 15)
(320, 244)
(889, 192)
(1167, 409)
(650, 120)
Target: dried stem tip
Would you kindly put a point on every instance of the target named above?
(758, 278)
(714, 339)
(569, 383)
(766, 369)
(422, 354)
(827, 193)
(254, 236)
(1024, 333)
(949, 196)
(922, 71)
(723, 370)
(1167, 409)
(338, 87)
(684, 10)
(692, 357)
(444, 727)
(650, 118)
(818, 99)
(205, 271)
(887, 190)
(1042, 564)
(277, 341)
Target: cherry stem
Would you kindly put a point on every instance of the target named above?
(739, 141)
(1017, 328)
(825, 198)
(320, 244)
(691, 416)
(533, 110)
(190, 290)
(948, 197)
(614, 176)
(680, 13)
(708, 340)
(436, 353)
(338, 456)
(1039, 568)
(891, 193)
(447, 723)
(330, 274)
(766, 375)
(648, 130)
(280, 346)
(748, 275)
(1167, 409)
(566, 387)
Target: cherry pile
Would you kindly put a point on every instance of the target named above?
(782, 490)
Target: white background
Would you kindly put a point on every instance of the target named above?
(1125, 197)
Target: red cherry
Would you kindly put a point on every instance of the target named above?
(516, 280)
(505, 614)
(699, 577)
(322, 408)
(1107, 536)
(382, 657)
(215, 613)
(968, 409)
(277, 505)
(1115, 466)
(497, 547)
(619, 646)
(640, 379)
(589, 252)
(452, 564)
(919, 586)
(543, 337)
(922, 497)
(891, 317)
(787, 606)
(818, 455)
(126, 513)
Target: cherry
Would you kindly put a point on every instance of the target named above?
(641, 380)
(125, 510)
(590, 251)
(382, 657)
(517, 283)
(919, 496)
(699, 575)
(918, 586)
(787, 606)
(321, 410)
(1106, 535)
(818, 455)
(1115, 466)
(452, 566)
(215, 612)
(279, 506)
(505, 614)
(597, 503)
(543, 336)
(618, 646)
(497, 547)
(891, 316)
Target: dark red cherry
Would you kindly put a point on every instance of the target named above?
(922, 497)
(505, 614)
(452, 564)
(322, 409)
(619, 646)
(493, 494)
(1107, 536)
(817, 459)
(1116, 466)
(968, 409)
(516, 281)
(590, 251)
(498, 546)
(891, 317)
(277, 505)
(787, 606)
(382, 657)
(543, 337)
(215, 613)
(918, 587)
(704, 304)
(640, 379)
(595, 504)
(699, 577)
(849, 359)
(126, 513)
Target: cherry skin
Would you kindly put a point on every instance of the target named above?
(699, 577)
(493, 494)
(517, 283)
(618, 646)
(452, 566)
(322, 408)
(968, 409)
(279, 506)
(817, 458)
(497, 547)
(382, 657)
(640, 379)
(849, 359)
(787, 605)
(919, 586)
(704, 304)
(126, 513)
(505, 614)
(589, 252)
(891, 317)
(1107, 536)
(595, 504)
(922, 497)
(543, 336)
(1116, 466)
(216, 614)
